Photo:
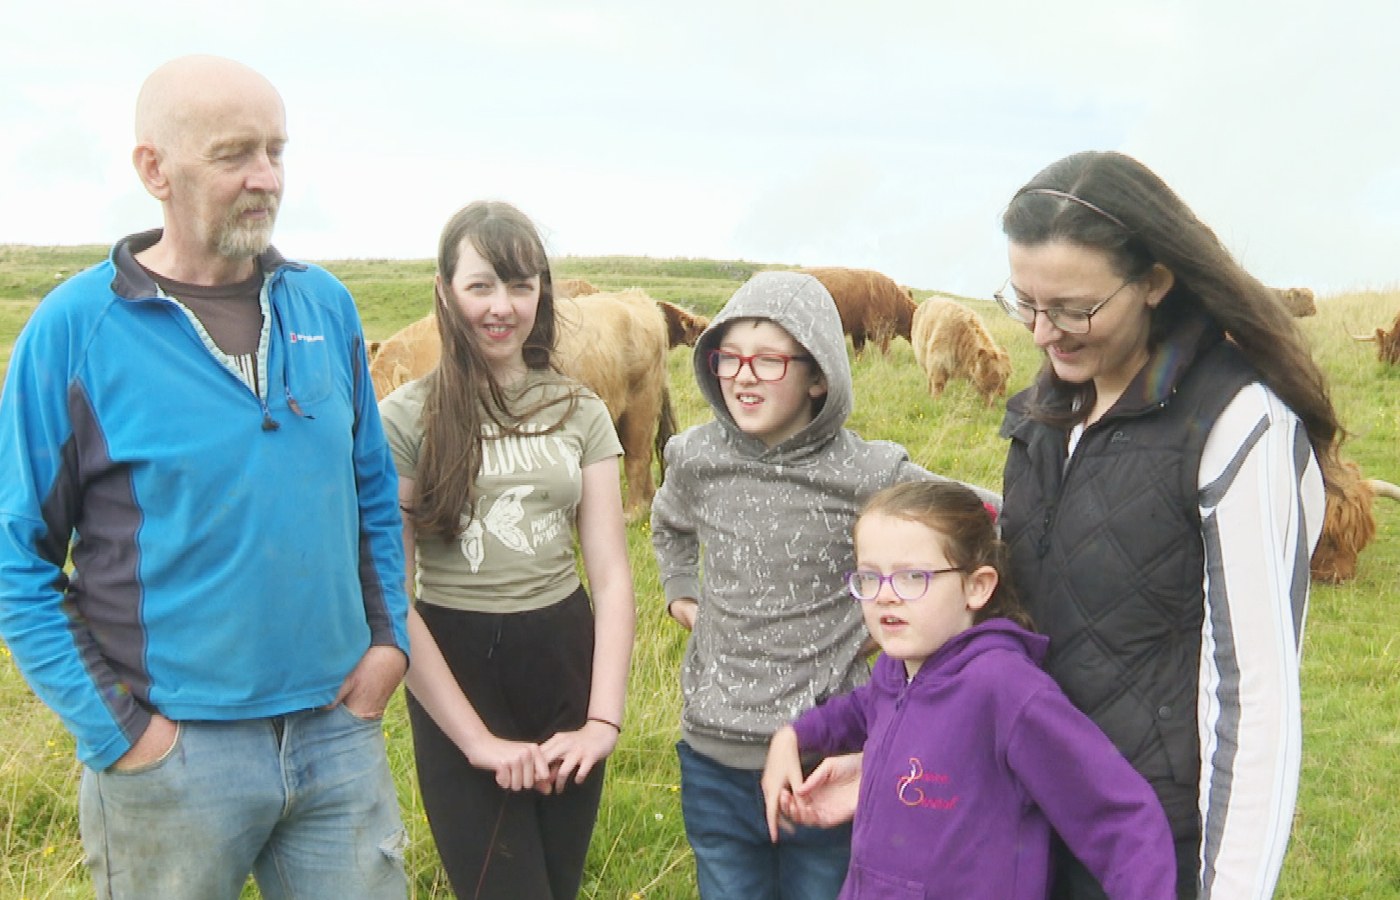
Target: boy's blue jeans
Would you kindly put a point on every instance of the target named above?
(304, 801)
(734, 859)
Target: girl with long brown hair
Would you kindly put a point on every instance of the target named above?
(518, 682)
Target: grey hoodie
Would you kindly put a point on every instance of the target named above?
(770, 529)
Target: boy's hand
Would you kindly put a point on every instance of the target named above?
(782, 773)
(683, 610)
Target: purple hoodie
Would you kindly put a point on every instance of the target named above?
(968, 768)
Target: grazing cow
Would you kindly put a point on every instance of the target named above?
(950, 341)
(573, 287)
(682, 325)
(1298, 301)
(872, 306)
(1348, 524)
(1387, 343)
(615, 343)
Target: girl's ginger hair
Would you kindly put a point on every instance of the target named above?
(462, 393)
(968, 530)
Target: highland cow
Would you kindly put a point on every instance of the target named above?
(1299, 302)
(1387, 342)
(872, 306)
(950, 341)
(1348, 524)
(573, 287)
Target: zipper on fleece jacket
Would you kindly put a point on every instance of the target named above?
(875, 761)
(269, 423)
(181, 314)
(274, 331)
(132, 284)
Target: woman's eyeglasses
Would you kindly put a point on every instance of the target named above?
(1066, 318)
(764, 366)
(908, 584)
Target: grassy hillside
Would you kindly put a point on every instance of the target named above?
(1346, 838)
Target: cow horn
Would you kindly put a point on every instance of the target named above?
(1369, 338)
(1384, 488)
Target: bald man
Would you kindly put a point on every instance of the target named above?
(193, 421)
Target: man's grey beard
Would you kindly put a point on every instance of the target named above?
(240, 240)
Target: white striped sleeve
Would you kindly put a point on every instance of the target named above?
(1261, 500)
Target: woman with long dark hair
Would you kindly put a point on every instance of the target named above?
(1164, 489)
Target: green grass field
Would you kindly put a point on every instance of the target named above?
(1346, 837)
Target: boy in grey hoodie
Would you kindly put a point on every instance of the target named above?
(762, 500)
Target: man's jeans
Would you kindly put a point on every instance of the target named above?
(304, 801)
(727, 827)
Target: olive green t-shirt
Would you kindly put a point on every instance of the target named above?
(517, 552)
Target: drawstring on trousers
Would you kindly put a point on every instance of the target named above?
(495, 637)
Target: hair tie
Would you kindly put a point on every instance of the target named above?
(991, 511)
(606, 722)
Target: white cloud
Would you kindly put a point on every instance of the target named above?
(886, 134)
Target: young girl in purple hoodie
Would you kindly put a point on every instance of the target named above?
(972, 754)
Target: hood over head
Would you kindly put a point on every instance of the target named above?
(803, 307)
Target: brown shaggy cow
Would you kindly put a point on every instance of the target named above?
(1348, 524)
(950, 341)
(615, 343)
(409, 353)
(1299, 302)
(1387, 343)
(573, 287)
(872, 306)
(682, 325)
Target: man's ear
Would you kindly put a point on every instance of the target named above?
(148, 162)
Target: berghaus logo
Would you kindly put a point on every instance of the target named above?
(306, 338)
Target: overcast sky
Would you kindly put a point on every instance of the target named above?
(886, 135)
